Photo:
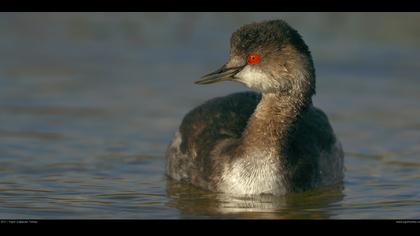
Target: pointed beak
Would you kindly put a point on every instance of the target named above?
(221, 74)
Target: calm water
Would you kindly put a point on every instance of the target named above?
(88, 103)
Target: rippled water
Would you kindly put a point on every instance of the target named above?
(88, 103)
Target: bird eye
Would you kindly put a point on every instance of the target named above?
(253, 58)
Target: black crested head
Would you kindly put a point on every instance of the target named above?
(270, 57)
(273, 33)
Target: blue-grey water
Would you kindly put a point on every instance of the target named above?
(89, 102)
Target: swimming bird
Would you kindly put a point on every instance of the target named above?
(272, 140)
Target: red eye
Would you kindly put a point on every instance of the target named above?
(253, 58)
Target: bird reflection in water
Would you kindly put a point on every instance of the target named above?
(194, 202)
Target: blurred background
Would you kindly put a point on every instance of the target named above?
(89, 102)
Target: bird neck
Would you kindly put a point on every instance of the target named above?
(272, 123)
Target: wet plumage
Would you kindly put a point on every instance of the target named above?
(272, 141)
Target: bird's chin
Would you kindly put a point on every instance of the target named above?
(244, 83)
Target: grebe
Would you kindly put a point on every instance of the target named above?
(272, 141)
